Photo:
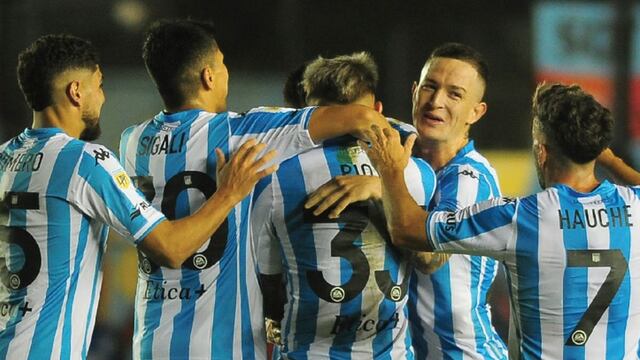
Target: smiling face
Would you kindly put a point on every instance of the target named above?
(447, 100)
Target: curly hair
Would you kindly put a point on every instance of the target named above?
(46, 58)
(340, 80)
(572, 121)
(171, 48)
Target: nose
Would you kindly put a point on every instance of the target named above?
(437, 98)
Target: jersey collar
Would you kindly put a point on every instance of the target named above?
(179, 117)
(40, 133)
(605, 188)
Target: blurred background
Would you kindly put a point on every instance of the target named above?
(595, 44)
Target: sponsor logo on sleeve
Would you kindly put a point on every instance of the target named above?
(122, 179)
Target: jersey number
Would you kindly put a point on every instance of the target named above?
(178, 183)
(17, 279)
(596, 258)
(355, 219)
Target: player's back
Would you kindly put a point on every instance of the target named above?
(346, 285)
(56, 189)
(575, 274)
(212, 306)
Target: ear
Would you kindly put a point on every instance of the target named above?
(542, 154)
(478, 111)
(414, 86)
(73, 93)
(206, 76)
(377, 106)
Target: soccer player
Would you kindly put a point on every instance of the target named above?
(212, 306)
(572, 254)
(346, 285)
(448, 308)
(62, 192)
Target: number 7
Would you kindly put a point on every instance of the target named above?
(596, 258)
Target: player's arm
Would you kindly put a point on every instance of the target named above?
(428, 262)
(622, 173)
(341, 191)
(328, 122)
(405, 218)
(170, 243)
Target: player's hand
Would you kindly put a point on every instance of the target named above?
(239, 175)
(428, 262)
(341, 191)
(386, 152)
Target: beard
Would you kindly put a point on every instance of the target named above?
(91, 128)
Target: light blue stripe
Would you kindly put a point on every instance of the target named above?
(443, 311)
(248, 346)
(58, 252)
(620, 238)
(420, 345)
(575, 291)
(226, 291)
(528, 278)
(84, 227)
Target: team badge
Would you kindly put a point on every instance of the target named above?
(122, 179)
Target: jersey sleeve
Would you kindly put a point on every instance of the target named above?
(486, 228)
(420, 180)
(267, 247)
(282, 129)
(104, 191)
(403, 128)
(463, 185)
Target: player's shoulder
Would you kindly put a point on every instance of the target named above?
(421, 165)
(402, 127)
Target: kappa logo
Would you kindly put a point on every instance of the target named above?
(101, 155)
(468, 173)
(508, 200)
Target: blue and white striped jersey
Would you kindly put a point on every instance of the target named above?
(346, 285)
(448, 309)
(212, 306)
(60, 194)
(573, 262)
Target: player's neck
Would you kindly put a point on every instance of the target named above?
(438, 153)
(58, 117)
(580, 178)
(199, 102)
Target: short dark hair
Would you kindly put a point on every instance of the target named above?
(572, 121)
(464, 53)
(293, 91)
(340, 80)
(171, 48)
(48, 57)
